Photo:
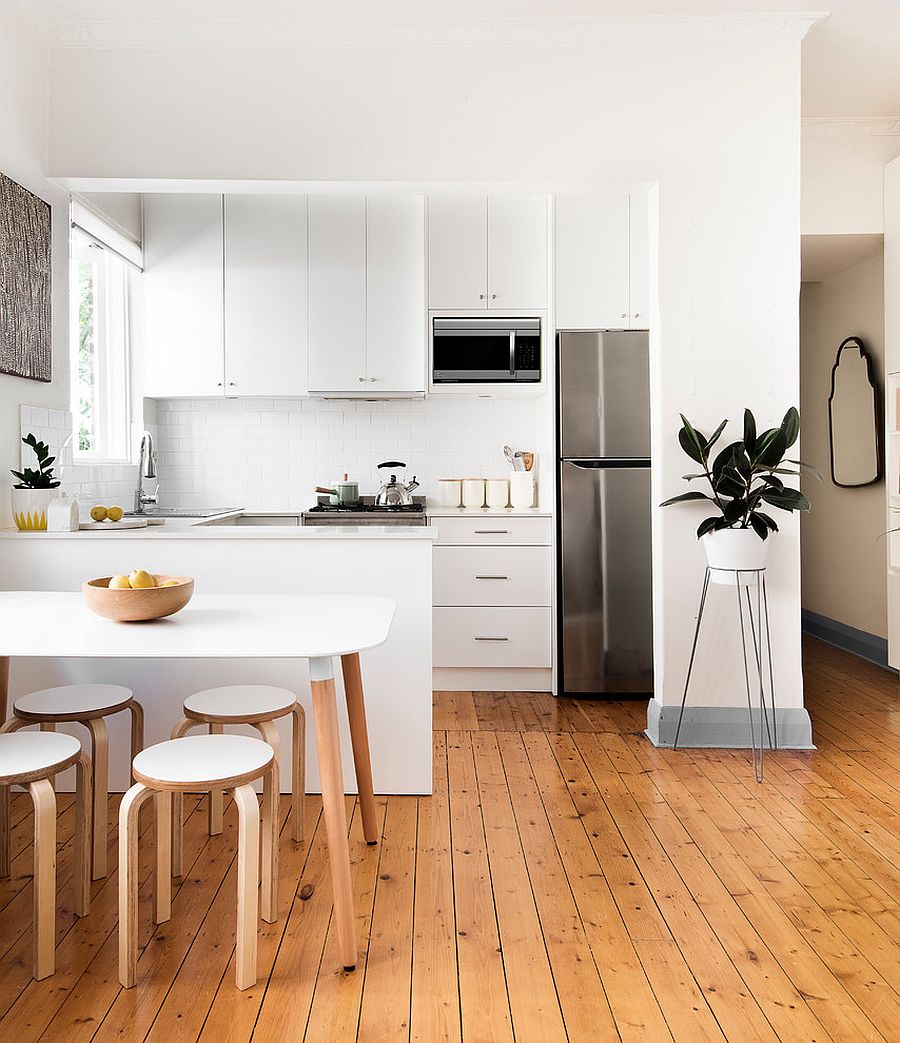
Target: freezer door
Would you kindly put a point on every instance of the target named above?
(604, 395)
(606, 609)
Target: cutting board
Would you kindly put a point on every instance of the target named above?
(125, 523)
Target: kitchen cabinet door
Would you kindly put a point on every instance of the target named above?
(517, 252)
(592, 261)
(457, 252)
(638, 261)
(337, 293)
(183, 352)
(396, 319)
(265, 295)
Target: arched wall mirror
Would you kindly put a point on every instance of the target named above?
(854, 429)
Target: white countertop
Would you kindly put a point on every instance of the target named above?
(487, 512)
(236, 532)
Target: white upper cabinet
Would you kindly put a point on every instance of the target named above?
(395, 293)
(337, 293)
(183, 296)
(265, 295)
(602, 261)
(457, 252)
(487, 252)
(517, 252)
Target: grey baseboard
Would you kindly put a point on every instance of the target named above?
(725, 727)
(858, 642)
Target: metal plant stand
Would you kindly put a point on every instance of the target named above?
(758, 626)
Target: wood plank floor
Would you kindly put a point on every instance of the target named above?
(567, 881)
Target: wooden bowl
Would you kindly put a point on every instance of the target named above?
(135, 606)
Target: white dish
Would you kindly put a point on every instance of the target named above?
(125, 523)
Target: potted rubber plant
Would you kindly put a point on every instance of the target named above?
(31, 495)
(743, 480)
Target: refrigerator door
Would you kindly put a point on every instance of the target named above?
(604, 395)
(606, 609)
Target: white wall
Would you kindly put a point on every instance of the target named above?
(24, 65)
(714, 118)
(843, 549)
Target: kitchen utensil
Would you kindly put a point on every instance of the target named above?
(521, 490)
(473, 492)
(449, 492)
(528, 460)
(345, 492)
(510, 459)
(133, 606)
(394, 493)
(497, 492)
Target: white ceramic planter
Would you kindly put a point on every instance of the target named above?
(29, 507)
(730, 550)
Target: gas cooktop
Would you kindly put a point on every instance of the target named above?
(367, 505)
(366, 512)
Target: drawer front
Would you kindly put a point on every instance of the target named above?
(505, 637)
(492, 576)
(492, 531)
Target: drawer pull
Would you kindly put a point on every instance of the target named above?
(492, 577)
(491, 638)
(492, 532)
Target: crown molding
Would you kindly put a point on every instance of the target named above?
(217, 33)
(851, 126)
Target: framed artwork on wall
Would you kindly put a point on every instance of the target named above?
(25, 246)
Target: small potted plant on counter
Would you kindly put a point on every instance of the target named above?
(31, 495)
(744, 479)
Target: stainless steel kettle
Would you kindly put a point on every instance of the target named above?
(394, 493)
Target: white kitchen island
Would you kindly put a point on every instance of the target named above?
(393, 561)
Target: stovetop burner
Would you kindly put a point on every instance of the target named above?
(366, 505)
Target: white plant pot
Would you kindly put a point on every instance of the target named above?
(29, 507)
(733, 553)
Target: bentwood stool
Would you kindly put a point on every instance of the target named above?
(258, 706)
(31, 759)
(87, 704)
(188, 764)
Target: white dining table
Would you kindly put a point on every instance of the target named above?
(318, 628)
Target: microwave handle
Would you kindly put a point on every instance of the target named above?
(512, 353)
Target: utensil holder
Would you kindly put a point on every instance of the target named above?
(521, 490)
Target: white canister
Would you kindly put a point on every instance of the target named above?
(521, 490)
(62, 514)
(473, 492)
(449, 492)
(497, 492)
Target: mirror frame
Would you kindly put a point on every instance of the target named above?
(857, 343)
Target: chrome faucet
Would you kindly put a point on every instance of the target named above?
(146, 469)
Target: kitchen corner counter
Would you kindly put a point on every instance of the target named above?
(204, 531)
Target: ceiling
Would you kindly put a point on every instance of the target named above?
(822, 256)
(850, 60)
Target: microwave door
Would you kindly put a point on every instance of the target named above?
(473, 355)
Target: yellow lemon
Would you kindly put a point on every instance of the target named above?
(169, 583)
(140, 579)
(115, 514)
(98, 513)
(120, 582)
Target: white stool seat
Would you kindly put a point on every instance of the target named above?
(222, 761)
(249, 702)
(26, 756)
(74, 701)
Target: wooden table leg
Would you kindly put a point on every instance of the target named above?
(359, 737)
(4, 686)
(324, 702)
(4, 790)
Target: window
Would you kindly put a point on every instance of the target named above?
(98, 302)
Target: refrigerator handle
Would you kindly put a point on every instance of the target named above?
(610, 461)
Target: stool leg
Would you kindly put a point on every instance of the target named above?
(44, 799)
(83, 834)
(270, 817)
(247, 885)
(298, 771)
(129, 810)
(215, 795)
(12, 725)
(137, 728)
(182, 728)
(100, 790)
(359, 737)
(332, 779)
(162, 831)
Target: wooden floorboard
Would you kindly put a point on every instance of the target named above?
(567, 881)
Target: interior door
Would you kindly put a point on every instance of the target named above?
(337, 293)
(638, 261)
(892, 412)
(457, 252)
(265, 295)
(395, 293)
(517, 252)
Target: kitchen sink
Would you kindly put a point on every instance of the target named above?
(180, 512)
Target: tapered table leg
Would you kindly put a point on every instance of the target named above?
(359, 737)
(4, 790)
(332, 779)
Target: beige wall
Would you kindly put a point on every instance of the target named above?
(842, 552)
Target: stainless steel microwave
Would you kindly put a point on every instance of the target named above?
(485, 350)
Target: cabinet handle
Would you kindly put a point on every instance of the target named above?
(220, 384)
(637, 314)
(491, 532)
(362, 380)
(491, 638)
(492, 577)
(481, 296)
(493, 296)
(624, 315)
(373, 380)
(231, 384)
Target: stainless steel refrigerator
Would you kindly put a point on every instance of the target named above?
(603, 424)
